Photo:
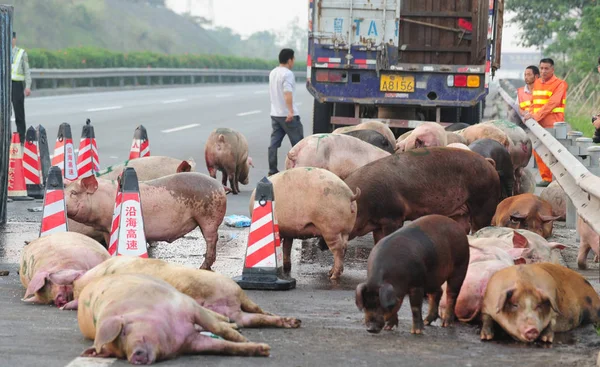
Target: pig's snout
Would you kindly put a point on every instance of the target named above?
(531, 334)
(140, 355)
(374, 328)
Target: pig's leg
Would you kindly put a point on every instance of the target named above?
(211, 236)
(434, 302)
(487, 327)
(452, 291)
(256, 320)
(584, 250)
(224, 178)
(207, 321)
(286, 243)
(203, 344)
(416, 306)
(337, 245)
(391, 319)
(547, 335)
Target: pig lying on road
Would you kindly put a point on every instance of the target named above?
(525, 211)
(534, 301)
(415, 260)
(226, 150)
(555, 195)
(50, 264)
(145, 320)
(340, 154)
(211, 290)
(172, 206)
(150, 168)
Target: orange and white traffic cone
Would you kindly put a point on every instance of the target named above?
(32, 165)
(114, 230)
(131, 238)
(140, 147)
(17, 189)
(87, 159)
(64, 153)
(54, 217)
(264, 257)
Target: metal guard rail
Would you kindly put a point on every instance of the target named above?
(579, 184)
(144, 72)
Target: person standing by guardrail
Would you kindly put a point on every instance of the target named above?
(285, 118)
(596, 119)
(549, 102)
(524, 94)
(21, 84)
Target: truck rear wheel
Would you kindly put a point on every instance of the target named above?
(472, 115)
(321, 117)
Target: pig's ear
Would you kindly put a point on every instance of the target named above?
(547, 298)
(65, 277)
(221, 138)
(37, 283)
(556, 245)
(504, 296)
(516, 216)
(549, 218)
(108, 330)
(492, 162)
(91, 352)
(360, 289)
(250, 162)
(520, 241)
(89, 184)
(387, 296)
(184, 167)
(520, 261)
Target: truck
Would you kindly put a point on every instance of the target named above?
(401, 62)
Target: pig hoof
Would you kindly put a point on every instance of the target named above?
(486, 335)
(263, 350)
(291, 323)
(547, 337)
(416, 331)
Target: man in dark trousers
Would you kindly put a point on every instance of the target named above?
(21, 84)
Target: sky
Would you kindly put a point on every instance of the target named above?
(248, 16)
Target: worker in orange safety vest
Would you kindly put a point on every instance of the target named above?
(548, 106)
(524, 94)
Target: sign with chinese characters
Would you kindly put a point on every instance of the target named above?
(70, 162)
(132, 240)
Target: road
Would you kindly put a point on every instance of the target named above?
(331, 333)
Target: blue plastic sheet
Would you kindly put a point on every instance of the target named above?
(238, 221)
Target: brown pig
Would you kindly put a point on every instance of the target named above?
(145, 320)
(340, 154)
(453, 138)
(428, 134)
(172, 206)
(51, 263)
(555, 195)
(211, 290)
(150, 168)
(226, 150)
(588, 240)
(378, 126)
(415, 260)
(313, 202)
(534, 301)
(405, 186)
(525, 211)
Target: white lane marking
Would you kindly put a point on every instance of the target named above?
(103, 108)
(249, 113)
(224, 95)
(113, 157)
(91, 361)
(175, 101)
(180, 128)
(299, 104)
(261, 92)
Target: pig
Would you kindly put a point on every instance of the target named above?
(313, 202)
(588, 240)
(480, 131)
(405, 186)
(555, 195)
(534, 301)
(91, 232)
(414, 260)
(489, 148)
(456, 126)
(428, 134)
(150, 168)
(226, 150)
(540, 249)
(145, 320)
(211, 290)
(522, 149)
(373, 137)
(378, 126)
(50, 264)
(340, 154)
(458, 145)
(172, 206)
(525, 183)
(453, 138)
(483, 249)
(525, 211)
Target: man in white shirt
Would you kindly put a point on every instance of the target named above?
(285, 118)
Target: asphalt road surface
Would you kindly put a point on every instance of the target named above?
(332, 334)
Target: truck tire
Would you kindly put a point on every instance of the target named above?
(321, 117)
(472, 115)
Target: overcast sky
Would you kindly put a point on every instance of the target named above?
(249, 16)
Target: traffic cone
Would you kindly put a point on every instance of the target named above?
(17, 190)
(140, 147)
(64, 153)
(44, 152)
(87, 159)
(32, 165)
(131, 239)
(54, 217)
(114, 235)
(264, 258)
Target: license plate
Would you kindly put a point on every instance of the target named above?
(397, 83)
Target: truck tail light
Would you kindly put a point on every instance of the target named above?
(332, 76)
(450, 80)
(473, 81)
(322, 75)
(460, 80)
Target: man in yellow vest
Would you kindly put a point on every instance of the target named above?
(21, 84)
(524, 94)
